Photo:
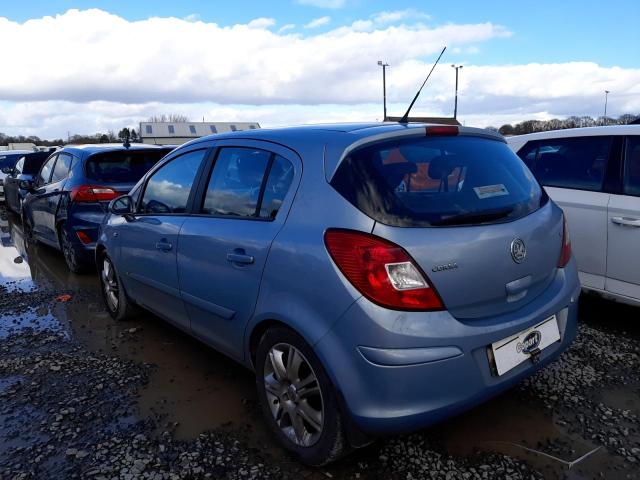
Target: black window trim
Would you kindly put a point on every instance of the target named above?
(623, 167)
(194, 187)
(609, 182)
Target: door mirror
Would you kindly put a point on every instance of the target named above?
(7, 170)
(28, 185)
(122, 205)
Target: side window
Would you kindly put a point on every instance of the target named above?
(576, 163)
(61, 170)
(236, 181)
(632, 166)
(168, 189)
(528, 153)
(17, 170)
(45, 172)
(276, 188)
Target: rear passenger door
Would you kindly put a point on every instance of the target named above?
(223, 247)
(37, 201)
(572, 170)
(623, 258)
(52, 194)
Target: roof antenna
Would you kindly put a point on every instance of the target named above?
(405, 117)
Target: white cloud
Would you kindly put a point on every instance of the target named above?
(248, 72)
(194, 17)
(332, 4)
(288, 26)
(318, 22)
(395, 16)
(261, 22)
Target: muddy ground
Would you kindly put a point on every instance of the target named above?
(84, 397)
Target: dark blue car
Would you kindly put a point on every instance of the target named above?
(69, 197)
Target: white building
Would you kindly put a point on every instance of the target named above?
(19, 146)
(175, 133)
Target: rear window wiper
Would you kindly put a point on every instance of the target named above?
(473, 217)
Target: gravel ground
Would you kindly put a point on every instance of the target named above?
(67, 411)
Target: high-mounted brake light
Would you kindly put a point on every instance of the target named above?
(443, 130)
(382, 271)
(565, 251)
(93, 193)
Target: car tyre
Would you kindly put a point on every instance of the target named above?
(116, 301)
(299, 402)
(71, 257)
(27, 230)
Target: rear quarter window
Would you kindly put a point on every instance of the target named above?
(121, 166)
(438, 181)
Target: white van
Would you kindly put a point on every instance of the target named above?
(594, 175)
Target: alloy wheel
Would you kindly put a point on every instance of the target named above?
(110, 284)
(294, 395)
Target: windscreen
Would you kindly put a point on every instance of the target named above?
(9, 161)
(122, 166)
(34, 161)
(438, 181)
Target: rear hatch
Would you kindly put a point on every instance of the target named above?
(467, 210)
(115, 173)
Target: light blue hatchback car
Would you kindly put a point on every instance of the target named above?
(377, 278)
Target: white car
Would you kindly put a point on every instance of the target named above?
(594, 175)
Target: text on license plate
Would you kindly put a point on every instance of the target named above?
(512, 351)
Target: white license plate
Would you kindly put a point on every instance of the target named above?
(512, 351)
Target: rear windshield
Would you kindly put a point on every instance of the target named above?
(122, 166)
(439, 181)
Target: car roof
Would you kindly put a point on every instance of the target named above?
(350, 132)
(578, 132)
(91, 149)
(15, 152)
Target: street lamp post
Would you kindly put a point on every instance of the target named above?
(606, 98)
(455, 105)
(384, 87)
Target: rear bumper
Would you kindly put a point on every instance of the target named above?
(420, 368)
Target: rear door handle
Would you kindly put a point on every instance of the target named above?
(626, 221)
(164, 246)
(242, 258)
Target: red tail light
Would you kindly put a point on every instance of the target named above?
(443, 130)
(84, 238)
(93, 193)
(565, 252)
(382, 271)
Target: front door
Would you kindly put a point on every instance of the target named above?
(623, 255)
(222, 249)
(148, 241)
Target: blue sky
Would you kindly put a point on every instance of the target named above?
(87, 66)
(607, 32)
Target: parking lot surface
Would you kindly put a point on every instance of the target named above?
(84, 397)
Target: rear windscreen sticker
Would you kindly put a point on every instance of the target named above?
(489, 191)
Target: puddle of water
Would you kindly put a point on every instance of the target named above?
(506, 424)
(15, 273)
(622, 398)
(35, 319)
(8, 382)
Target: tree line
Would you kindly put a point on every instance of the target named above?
(531, 126)
(132, 135)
